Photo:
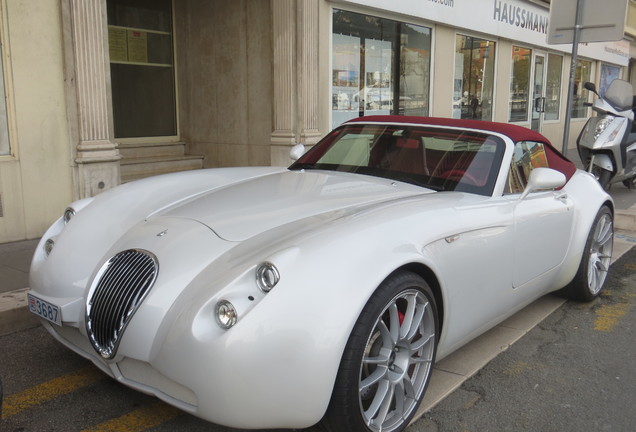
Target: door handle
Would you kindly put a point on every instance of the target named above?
(561, 196)
(539, 104)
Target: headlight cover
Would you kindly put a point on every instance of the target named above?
(226, 315)
(602, 125)
(68, 214)
(48, 246)
(267, 276)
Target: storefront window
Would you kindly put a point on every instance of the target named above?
(520, 84)
(380, 66)
(608, 74)
(142, 68)
(474, 78)
(553, 87)
(583, 74)
(5, 147)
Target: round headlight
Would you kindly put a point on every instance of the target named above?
(48, 246)
(267, 276)
(226, 315)
(68, 214)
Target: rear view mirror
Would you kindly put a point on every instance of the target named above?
(591, 87)
(543, 179)
(297, 151)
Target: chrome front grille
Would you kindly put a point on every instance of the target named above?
(119, 288)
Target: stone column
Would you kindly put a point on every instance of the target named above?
(308, 73)
(295, 28)
(89, 91)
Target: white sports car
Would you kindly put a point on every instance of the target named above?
(277, 297)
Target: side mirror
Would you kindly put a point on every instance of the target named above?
(543, 179)
(297, 151)
(591, 87)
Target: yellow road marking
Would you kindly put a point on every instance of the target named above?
(139, 419)
(607, 316)
(16, 403)
(520, 367)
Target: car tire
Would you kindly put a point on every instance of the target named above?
(592, 271)
(388, 359)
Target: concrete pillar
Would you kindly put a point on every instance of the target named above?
(89, 102)
(296, 39)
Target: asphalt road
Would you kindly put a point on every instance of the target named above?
(576, 371)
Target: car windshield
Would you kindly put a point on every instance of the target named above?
(438, 158)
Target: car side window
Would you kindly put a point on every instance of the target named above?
(527, 156)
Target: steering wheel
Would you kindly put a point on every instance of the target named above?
(460, 175)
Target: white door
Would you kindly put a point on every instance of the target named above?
(543, 226)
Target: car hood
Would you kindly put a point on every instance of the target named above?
(242, 210)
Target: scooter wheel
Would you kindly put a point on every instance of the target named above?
(630, 183)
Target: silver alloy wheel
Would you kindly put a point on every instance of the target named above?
(600, 254)
(397, 361)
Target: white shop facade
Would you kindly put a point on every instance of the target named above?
(484, 59)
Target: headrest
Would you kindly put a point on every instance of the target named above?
(407, 143)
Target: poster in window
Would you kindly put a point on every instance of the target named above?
(117, 44)
(608, 74)
(137, 46)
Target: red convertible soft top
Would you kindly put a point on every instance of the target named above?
(516, 133)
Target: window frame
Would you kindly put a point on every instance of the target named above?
(7, 81)
(175, 55)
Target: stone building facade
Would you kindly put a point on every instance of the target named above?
(101, 92)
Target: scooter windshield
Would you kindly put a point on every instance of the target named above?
(619, 95)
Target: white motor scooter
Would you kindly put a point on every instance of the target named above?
(607, 143)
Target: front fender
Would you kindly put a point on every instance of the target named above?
(588, 198)
(279, 363)
(603, 161)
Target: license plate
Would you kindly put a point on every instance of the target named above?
(45, 309)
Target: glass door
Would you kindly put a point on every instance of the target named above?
(379, 66)
(538, 104)
(376, 96)
(362, 81)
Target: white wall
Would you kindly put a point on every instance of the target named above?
(36, 182)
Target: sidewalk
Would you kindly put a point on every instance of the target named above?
(15, 260)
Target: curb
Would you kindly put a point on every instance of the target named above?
(625, 220)
(14, 315)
